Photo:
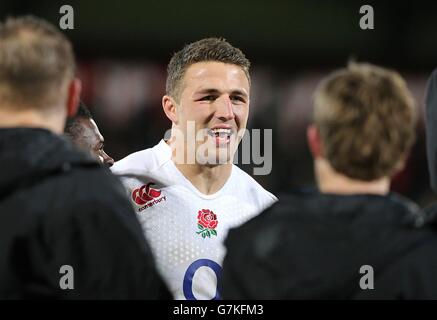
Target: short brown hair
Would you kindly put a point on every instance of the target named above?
(36, 60)
(366, 117)
(209, 49)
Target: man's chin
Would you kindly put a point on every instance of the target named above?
(216, 155)
(211, 163)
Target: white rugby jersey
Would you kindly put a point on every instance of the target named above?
(184, 227)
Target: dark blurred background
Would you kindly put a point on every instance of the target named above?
(123, 48)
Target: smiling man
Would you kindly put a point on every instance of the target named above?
(186, 191)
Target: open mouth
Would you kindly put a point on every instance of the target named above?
(221, 135)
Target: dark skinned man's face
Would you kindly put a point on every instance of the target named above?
(92, 141)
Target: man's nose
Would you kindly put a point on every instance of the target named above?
(225, 110)
(107, 159)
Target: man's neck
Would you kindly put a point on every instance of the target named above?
(29, 119)
(330, 181)
(206, 179)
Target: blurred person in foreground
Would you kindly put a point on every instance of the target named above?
(186, 191)
(66, 229)
(82, 130)
(431, 135)
(353, 238)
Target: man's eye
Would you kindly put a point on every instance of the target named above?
(237, 98)
(207, 98)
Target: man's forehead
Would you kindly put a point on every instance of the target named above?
(90, 130)
(217, 72)
(95, 129)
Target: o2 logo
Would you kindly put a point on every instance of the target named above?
(189, 275)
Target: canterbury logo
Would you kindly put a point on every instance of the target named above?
(144, 194)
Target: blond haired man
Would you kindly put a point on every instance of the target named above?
(66, 229)
(353, 238)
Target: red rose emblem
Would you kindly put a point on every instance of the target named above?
(206, 222)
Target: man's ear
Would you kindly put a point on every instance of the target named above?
(74, 90)
(169, 106)
(314, 141)
(400, 165)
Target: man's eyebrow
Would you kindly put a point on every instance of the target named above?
(215, 91)
(239, 92)
(207, 91)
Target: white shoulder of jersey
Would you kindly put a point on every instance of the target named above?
(253, 189)
(143, 162)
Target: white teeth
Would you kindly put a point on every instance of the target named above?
(220, 130)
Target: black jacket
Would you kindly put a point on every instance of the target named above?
(431, 128)
(313, 246)
(431, 135)
(59, 207)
